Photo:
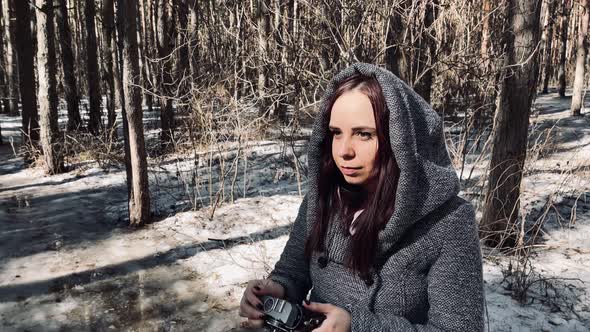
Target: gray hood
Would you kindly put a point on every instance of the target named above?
(427, 177)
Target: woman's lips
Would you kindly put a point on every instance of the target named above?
(349, 171)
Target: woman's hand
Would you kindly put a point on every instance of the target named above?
(251, 306)
(337, 319)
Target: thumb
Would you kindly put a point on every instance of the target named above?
(252, 323)
(267, 287)
(323, 308)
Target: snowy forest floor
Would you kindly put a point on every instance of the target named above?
(68, 262)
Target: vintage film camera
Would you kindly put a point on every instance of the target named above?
(283, 316)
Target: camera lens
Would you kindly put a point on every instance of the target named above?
(269, 304)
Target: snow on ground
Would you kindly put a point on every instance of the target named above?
(69, 262)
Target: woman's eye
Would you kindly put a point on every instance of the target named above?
(365, 134)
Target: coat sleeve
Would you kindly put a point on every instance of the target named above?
(292, 269)
(455, 286)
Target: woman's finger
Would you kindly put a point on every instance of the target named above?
(252, 324)
(323, 308)
(249, 312)
(253, 300)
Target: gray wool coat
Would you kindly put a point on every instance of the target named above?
(428, 275)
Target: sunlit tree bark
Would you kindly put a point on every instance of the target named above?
(501, 206)
(47, 93)
(139, 206)
(581, 53)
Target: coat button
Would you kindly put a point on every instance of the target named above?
(322, 262)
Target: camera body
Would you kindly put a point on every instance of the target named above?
(284, 316)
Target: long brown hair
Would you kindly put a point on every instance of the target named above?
(378, 205)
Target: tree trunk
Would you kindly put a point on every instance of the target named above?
(510, 129)
(485, 33)
(332, 43)
(411, 43)
(193, 37)
(563, 29)
(548, 39)
(13, 62)
(47, 94)
(120, 98)
(165, 47)
(11, 57)
(263, 22)
(141, 50)
(238, 49)
(396, 57)
(95, 122)
(4, 93)
(145, 54)
(285, 40)
(182, 69)
(108, 35)
(68, 61)
(81, 54)
(28, 90)
(139, 207)
(354, 37)
(582, 51)
(426, 58)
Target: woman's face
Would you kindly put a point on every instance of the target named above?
(354, 137)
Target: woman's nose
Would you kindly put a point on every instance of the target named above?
(345, 148)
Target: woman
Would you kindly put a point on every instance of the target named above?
(381, 239)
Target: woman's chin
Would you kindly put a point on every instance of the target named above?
(353, 180)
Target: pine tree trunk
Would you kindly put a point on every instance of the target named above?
(81, 54)
(332, 41)
(238, 47)
(120, 97)
(263, 22)
(182, 69)
(145, 54)
(426, 58)
(142, 58)
(47, 94)
(355, 37)
(139, 207)
(67, 59)
(501, 206)
(563, 29)
(11, 56)
(4, 93)
(548, 41)
(165, 46)
(194, 38)
(486, 32)
(95, 111)
(582, 52)
(398, 58)
(27, 87)
(108, 35)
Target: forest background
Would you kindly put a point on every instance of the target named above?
(180, 93)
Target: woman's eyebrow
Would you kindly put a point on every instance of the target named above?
(362, 128)
(354, 128)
